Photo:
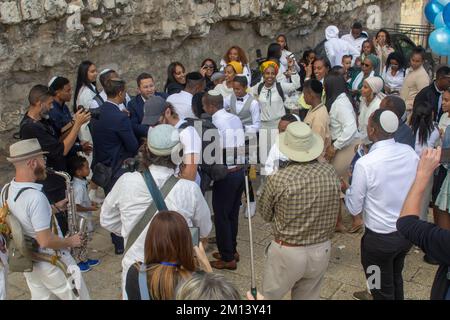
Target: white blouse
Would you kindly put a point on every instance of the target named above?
(365, 111)
(394, 83)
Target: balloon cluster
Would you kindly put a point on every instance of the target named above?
(437, 12)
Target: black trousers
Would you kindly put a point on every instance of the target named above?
(387, 252)
(226, 199)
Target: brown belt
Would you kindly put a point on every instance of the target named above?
(237, 168)
(285, 244)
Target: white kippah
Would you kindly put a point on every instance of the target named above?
(389, 121)
(104, 71)
(214, 92)
(52, 80)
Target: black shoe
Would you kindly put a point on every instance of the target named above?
(430, 260)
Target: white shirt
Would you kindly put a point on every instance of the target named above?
(431, 142)
(230, 130)
(191, 144)
(336, 48)
(355, 43)
(85, 96)
(342, 122)
(255, 110)
(381, 181)
(129, 199)
(224, 90)
(444, 121)
(273, 160)
(271, 104)
(122, 107)
(364, 114)
(81, 195)
(182, 102)
(32, 209)
(394, 82)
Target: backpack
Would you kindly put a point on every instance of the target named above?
(19, 246)
(208, 172)
(279, 89)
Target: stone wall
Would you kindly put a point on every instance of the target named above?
(42, 38)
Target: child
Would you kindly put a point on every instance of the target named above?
(79, 170)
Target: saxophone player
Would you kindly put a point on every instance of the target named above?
(29, 205)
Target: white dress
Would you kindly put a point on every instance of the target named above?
(365, 112)
(394, 83)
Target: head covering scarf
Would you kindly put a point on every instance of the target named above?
(376, 84)
(267, 64)
(237, 66)
(331, 32)
(375, 62)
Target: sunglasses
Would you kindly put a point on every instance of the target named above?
(366, 65)
(209, 66)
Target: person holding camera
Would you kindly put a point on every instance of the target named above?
(131, 199)
(171, 257)
(36, 124)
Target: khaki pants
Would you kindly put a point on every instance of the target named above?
(48, 282)
(298, 269)
(343, 159)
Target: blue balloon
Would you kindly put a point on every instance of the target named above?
(432, 9)
(446, 14)
(439, 41)
(439, 21)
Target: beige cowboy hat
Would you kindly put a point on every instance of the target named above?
(299, 143)
(24, 149)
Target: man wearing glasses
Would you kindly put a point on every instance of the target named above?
(36, 124)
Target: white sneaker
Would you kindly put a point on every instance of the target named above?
(252, 210)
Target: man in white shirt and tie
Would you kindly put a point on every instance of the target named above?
(226, 197)
(381, 181)
(182, 101)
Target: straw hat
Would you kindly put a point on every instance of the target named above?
(24, 149)
(299, 143)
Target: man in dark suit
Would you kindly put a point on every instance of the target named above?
(433, 93)
(146, 88)
(114, 139)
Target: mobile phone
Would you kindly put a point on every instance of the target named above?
(445, 155)
(195, 234)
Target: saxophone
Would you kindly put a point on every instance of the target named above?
(73, 226)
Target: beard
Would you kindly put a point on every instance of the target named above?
(40, 173)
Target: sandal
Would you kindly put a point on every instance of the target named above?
(356, 229)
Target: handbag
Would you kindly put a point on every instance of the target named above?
(102, 175)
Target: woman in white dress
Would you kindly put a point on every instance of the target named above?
(285, 53)
(371, 97)
(226, 88)
(394, 74)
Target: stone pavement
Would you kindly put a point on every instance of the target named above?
(344, 275)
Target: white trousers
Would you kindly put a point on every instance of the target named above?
(48, 282)
(3, 275)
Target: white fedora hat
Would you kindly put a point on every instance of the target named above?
(24, 149)
(299, 143)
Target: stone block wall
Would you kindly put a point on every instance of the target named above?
(43, 38)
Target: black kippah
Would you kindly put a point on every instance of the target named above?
(194, 76)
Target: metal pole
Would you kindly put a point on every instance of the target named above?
(252, 264)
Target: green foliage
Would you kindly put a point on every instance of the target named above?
(289, 8)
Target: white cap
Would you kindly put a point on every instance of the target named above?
(52, 80)
(214, 92)
(389, 121)
(104, 71)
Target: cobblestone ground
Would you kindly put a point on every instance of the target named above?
(344, 275)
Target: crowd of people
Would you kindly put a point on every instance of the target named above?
(323, 132)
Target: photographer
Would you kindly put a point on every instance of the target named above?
(36, 124)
